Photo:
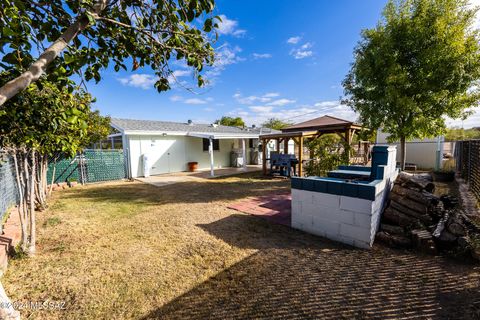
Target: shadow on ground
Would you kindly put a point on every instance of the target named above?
(218, 189)
(310, 277)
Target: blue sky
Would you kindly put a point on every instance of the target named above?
(278, 59)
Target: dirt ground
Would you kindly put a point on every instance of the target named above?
(128, 250)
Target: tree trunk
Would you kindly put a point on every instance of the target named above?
(21, 203)
(45, 183)
(31, 248)
(38, 68)
(26, 195)
(402, 152)
(53, 178)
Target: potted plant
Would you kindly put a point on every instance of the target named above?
(447, 173)
(192, 166)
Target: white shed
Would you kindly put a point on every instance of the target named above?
(170, 146)
(425, 153)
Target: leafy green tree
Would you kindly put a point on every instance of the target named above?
(98, 128)
(232, 122)
(87, 36)
(420, 64)
(276, 124)
(329, 151)
(39, 123)
(455, 134)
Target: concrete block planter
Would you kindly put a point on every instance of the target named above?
(341, 209)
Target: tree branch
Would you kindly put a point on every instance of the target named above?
(37, 69)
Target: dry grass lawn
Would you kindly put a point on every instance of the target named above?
(128, 250)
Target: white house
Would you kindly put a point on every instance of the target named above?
(166, 147)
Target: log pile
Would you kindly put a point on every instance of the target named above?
(416, 218)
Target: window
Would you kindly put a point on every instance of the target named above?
(250, 143)
(206, 143)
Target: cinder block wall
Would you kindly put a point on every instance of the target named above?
(342, 218)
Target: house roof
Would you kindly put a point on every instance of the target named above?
(324, 122)
(131, 126)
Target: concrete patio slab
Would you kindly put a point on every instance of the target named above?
(172, 178)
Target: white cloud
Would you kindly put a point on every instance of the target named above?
(294, 40)
(181, 73)
(176, 98)
(261, 109)
(302, 51)
(177, 74)
(230, 27)
(298, 113)
(470, 122)
(224, 56)
(195, 101)
(139, 80)
(281, 102)
(301, 54)
(262, 55)
(271, 95)
(208, 109)
(252, 99)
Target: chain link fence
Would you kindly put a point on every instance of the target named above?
(467, 158)
(88, 166)
(8, 184)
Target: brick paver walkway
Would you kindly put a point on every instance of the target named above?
(274, 207)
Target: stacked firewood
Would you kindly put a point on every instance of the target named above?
(416, 218)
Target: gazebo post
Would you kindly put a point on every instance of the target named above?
(244, 155)
(278, 145)
(285, 145)
(264, 156)
(300, 157)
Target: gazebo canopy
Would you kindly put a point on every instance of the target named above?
(325, 124)
(313, 128)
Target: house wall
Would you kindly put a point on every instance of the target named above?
(172, 153)
(194, 152)
(422, 152)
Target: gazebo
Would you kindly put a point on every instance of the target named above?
(310, 129)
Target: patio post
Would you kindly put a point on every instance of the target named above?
(264, 156)
(210, 150)
(244, 155)
(285, 145)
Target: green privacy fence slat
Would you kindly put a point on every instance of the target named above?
(90, 166)
(104, 165)
(98, 165)
(64, 169)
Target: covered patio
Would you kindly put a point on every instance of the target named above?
(243, 137)
(305, 131)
